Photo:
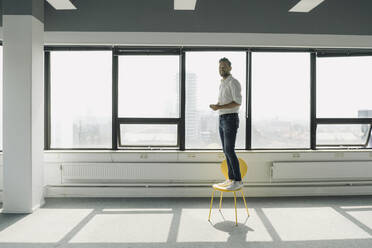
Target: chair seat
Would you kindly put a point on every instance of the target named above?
(225, 190)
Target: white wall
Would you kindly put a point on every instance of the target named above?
(199, 169)
(258, 180)
(1, 179)
(23, 113)
(259, 162)
(37, 121)
(17, 132)
(206, 39)
(209, 39)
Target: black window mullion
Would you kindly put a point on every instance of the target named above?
(77, 48)
(313, 120)
(47, 95)
(147, 51)
(344, 120)
(181, 126)
(115, 124)
(248, 111)
(148, 120)
(213, 49)
(344, 53)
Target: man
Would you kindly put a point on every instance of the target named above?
(229, 100)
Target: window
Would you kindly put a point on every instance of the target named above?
(344, 111)
(148, 135)
(159, 97)
(81, 99)
(149, 86)
(343, 86)
(280, 100)
(149, 99)
(343, 135)
(1, 97)
(202, 86)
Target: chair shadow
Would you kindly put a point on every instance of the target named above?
(236, 233)
(223, 217)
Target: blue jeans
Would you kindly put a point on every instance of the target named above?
(228, 127)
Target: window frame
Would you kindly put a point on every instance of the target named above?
(334, 121)
(47, 91)
(1, 149)
(148, 121)
(179, 50)
(345, 144)
(117, 142)
(273, 50)
(248, 53)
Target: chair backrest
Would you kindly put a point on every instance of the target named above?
(243, 168)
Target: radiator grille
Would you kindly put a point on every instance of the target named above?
(322, 170)
(106, 172)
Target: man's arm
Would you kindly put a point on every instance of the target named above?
(224, 106)
(229, 105)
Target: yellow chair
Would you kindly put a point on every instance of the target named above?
(243, 172)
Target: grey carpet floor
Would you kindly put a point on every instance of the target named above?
(182, 222)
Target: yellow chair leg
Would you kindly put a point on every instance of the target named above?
(241, 191)
(210, 210)
(221, 199)
(236, 214)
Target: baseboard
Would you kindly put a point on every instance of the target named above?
(15, 212)
(38, 205)
(249, 191)
(42, 202)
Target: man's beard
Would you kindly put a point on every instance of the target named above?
(225, 74)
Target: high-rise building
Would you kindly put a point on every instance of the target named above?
(192, 115)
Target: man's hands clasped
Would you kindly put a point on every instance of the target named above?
(214, 106)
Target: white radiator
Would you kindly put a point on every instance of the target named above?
(1, 177)
(318, 170)
(139, 172)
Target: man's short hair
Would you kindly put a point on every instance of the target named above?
(226, 60)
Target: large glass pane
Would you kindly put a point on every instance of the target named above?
(202, 86)
(280, 100)
(1, 97)
(148, 134)
(343, 86)
(342, 134)
(149, 86)
(81, 102)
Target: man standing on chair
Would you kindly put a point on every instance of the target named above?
(229, 100)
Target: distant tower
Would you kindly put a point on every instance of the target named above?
(192, 115)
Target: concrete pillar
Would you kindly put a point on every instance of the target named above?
(23, 106)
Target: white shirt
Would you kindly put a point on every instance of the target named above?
(230, 90)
